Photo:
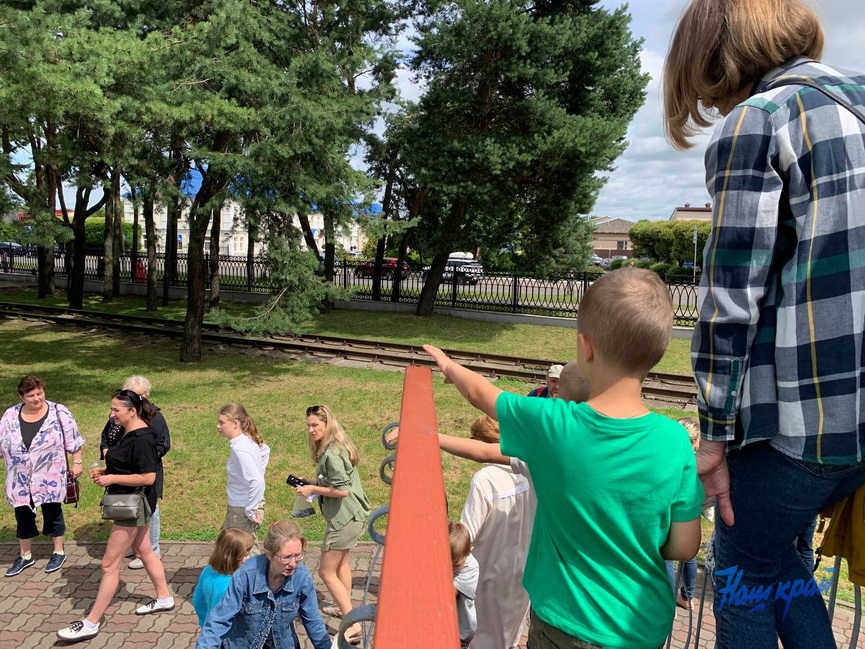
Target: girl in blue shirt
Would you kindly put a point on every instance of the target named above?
(229, 552)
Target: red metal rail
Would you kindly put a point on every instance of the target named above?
(416, 603)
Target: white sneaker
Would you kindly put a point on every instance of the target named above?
(136, 564)
(76, 632)
(153, 606)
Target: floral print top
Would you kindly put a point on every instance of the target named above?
(40, 472)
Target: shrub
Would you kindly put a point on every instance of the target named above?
(661, 268)
(94, 230)
(619, 263)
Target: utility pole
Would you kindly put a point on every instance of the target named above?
(694, 277)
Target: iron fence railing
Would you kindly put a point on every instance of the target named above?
(485, 292)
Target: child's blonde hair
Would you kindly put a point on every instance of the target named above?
(722, 46)
(461, 543)
(572, 385)
(627, 314)
(247, 424)
(485, 429)
(231, 547)
(334, 435)
(692, 426)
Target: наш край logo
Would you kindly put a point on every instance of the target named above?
(735, 593)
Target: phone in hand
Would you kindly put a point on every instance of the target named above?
(294, 481)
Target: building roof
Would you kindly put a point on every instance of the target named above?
(688, 213)
(613, 226)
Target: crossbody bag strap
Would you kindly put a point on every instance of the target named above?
(833, 96)
(63, 433)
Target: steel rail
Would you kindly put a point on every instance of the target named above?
(662, 386)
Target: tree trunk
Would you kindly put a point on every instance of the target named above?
(108, 251)
(329, 247)
(303, 217)
(75, 275)
(118, 233)
(252, 232)
(214, 258)
(199, 217)
(170, 271)
(190, 346)
(150, 241)
(450, 231)
(136, 235)
(403, 252)
(379, 249)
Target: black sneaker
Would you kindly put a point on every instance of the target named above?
(20, 564)
(55, 562)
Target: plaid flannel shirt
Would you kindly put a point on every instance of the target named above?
(779, 347)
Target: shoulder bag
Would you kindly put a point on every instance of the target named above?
(73, 489)
(123, 507)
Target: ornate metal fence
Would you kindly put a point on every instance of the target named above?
(484, 292)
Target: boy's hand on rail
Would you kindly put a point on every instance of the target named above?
(392, 436)
(441, 360)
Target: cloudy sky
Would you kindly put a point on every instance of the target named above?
(651, 178)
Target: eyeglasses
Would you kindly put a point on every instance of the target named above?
(288, 558)
(313, 410)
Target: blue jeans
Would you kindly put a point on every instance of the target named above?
(154, 530)
(805, 545)
(775, 498)
(690, 577)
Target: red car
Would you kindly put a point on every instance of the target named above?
(388, 269)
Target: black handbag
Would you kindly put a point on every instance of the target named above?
(73, 489)
(123, 507)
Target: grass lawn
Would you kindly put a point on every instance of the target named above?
(529, 341)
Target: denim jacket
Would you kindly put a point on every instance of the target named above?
(249, 611)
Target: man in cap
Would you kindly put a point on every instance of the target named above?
(551, 389)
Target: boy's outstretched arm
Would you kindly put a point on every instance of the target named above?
(683, 542)
(472, 449)
(476, 389)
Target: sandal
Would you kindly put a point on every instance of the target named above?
(332, 611)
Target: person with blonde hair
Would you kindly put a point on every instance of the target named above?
(231, 549)
(245, 469)
(343, 503)
(264, 596)
(616, 485)
(779, 343)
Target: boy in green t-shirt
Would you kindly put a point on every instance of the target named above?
(617, 485)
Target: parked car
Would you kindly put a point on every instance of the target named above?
(388, 269)
(461, 270)
(11, 246)
(597, 261)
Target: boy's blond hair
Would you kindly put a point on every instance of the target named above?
(627, 315)
(572, 385)
(692, 426)
(485, 429)
(722, 46)
(461, 542)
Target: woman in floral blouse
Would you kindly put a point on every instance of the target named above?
(32, 439)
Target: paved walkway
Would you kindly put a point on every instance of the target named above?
(34, 605)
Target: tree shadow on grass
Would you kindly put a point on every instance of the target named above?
(83, 364)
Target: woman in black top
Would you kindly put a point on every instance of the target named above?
(130, 464)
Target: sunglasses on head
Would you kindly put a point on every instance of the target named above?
(313, 410)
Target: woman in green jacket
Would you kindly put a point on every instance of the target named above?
(343, 503)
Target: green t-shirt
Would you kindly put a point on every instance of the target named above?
(607, 491)
(335, 470)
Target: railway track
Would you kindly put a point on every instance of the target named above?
(676, 388)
